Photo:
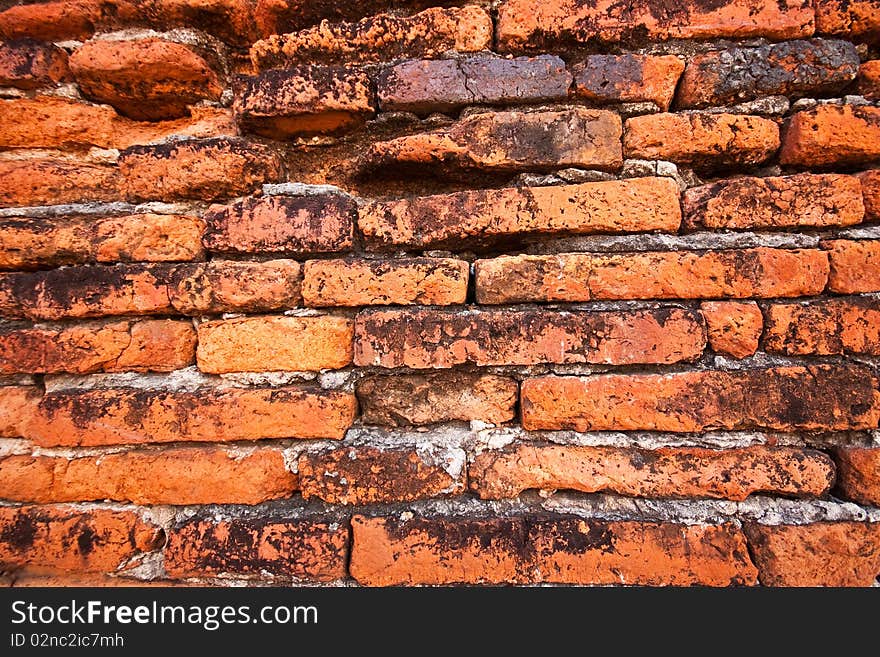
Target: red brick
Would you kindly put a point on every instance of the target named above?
(50, 181)
(794, 68)
(149, 345)
(237, 22)
(61, 20)
(57, 122)
(813, 398)
(638, 204)
(868, 82)
(181, 475)
(111, 416)
(734, 328)
(257, 344)
(418, 399)
(858, 474)
(824, 327)
(299, 225)
(804, 199)
(668, 472)
(228, 286)
(821, 554)
(304, 100)
(857, 19)
(538, 24)
(832, 135)
(380, 38)
(427, 338)
(29, 64)
(146, 79)
(871, 193)
(306, 548)
(759, 272)
(701, 139)
(505, 142)
(202, 169)
(855, 266)
(17, 405)
(442, 85)
(628, 78)
(59, 538)
(368, 475)
(424, 281)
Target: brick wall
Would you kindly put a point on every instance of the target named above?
(524, 291)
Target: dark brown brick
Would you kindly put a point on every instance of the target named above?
(29, 64)
(628, 78)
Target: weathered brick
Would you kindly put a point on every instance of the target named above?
(813, 398)
(17, 405)
(379, 38)
(51, 181)
(29, 64)
(668, 472)
(424, 281)
(701, 139)
(820, 554)
(299, 225)
(145, 79)
(427, 338)
(61, 20)
(855, 266)
(505, 142)
(367, 475)
(804, 199)
(148, 345)
(857, 19)
(49, 538)
(734, 328)
(870, 181)
(267, 343)
(868, 81)
(202, 169)
(111, 416)
(759, 272)
(539, 24)
(637, 204)
(417, 399)
(628, 78)
(793, 68)
(827, 326)
(304, 548)
(858, 474)
(442, 85)
(182, 475)
(438, 550)
(832, 135)
(304, 100)
(237, 22)
(57, 122)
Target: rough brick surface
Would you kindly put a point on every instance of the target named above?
(734, 328)
(29, 64)
(813, 398)
(50, 181)
(445, 338)
(832, 326)
(628, 78)
(852, 18)
(868, 81)
(858, 474)
(17, 405)
(832, 135)
(855, 266)
(640, 204)
(871, 193)
(59, 20)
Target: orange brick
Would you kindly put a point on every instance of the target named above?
(871, 193)
(821, 554)
(805, 199)
(827, 326)
(760, 272)
(701, 139)
(628, 78)
(832, 135)
(734, 328)
(868, 82)
(17, 405)
(58, 538)
(858, 474)
(669, 472)
(51, 181)
(418, 399)
(368, 475)
(110, 416)
(855, 266)
(377, 38)
(230, 286)
(29, 64)
(180, 475)
(60, 20)
(236, 22)
(857, 19)
(149, 345)
(277, 546)
(540, 24)
(424, 281)
(256, 344)
(638, 204)
(505, 142)
(427, 338)
(813, 398)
